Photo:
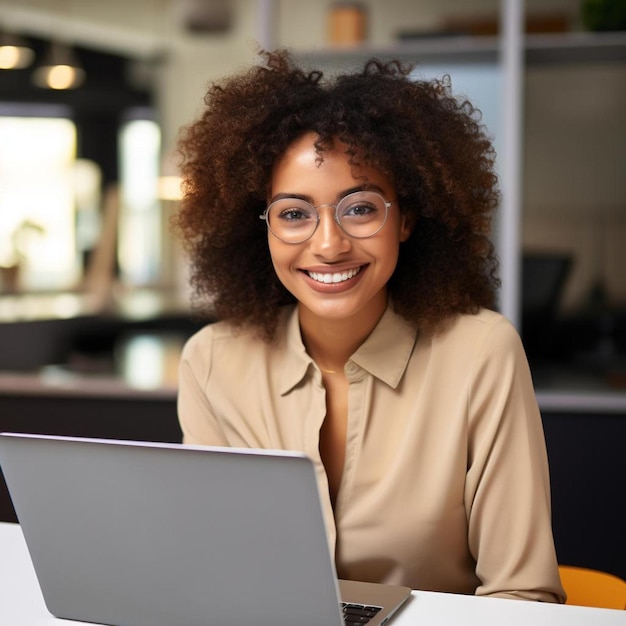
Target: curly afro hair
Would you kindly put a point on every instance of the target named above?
(430, 145)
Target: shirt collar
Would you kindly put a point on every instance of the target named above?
(385, 353)
(295, 359)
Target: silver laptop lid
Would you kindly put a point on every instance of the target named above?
(159, 534)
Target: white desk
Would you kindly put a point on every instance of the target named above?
(21, 602)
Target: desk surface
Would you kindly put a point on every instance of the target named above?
(21, 602)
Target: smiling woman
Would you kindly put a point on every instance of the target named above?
(337, 244)
(358, 326)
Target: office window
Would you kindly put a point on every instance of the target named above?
(140, 233)
(37, 212)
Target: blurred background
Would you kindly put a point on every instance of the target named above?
(93, 95)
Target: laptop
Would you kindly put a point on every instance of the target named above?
(149, 534)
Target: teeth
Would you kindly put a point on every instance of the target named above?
(336, 277)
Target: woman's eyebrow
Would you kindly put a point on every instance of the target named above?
(338, 197)
(363, 187)
(297, 196)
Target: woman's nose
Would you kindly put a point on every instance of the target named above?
(329, 239)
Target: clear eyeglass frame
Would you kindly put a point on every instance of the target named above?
(366, 196)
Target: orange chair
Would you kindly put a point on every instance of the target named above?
(588, 587)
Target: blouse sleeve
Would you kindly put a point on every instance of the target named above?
(507, 495)
(195, 414)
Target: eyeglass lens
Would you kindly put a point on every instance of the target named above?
(360, 214)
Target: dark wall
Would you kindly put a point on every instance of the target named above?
(588, 474)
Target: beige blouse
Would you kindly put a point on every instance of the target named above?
(445, 485)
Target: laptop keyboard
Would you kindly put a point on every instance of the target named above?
(358, 613)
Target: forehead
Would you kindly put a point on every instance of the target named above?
(304, 168)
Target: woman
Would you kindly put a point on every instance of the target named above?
(341, 230)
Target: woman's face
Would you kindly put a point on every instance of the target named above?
(332, 275)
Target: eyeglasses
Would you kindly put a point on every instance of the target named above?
(360, 215)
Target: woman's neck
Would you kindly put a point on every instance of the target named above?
(331, 342)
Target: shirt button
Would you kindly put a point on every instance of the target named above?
(351, 368)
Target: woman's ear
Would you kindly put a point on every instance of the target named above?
(407, 223)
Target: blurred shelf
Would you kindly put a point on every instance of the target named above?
(132, 304)
(452, 48)
(557, 48)
(66, 384)
(576, 48)
(588, 402)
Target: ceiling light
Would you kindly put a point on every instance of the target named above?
(59, 69)
(15, 53)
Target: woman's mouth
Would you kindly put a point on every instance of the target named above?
(334, 277)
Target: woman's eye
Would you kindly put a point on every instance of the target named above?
(293, 214)
(359, 210)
